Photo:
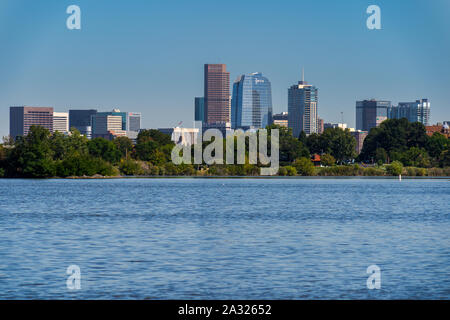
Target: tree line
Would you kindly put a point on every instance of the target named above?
(395, 147)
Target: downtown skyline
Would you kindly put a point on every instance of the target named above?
(108, 65)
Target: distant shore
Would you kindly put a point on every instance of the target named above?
(236, 177)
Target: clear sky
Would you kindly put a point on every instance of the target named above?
(147, 56)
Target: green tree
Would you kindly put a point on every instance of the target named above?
(303, 138)
(150, 151)
(77, 143)
(393, 135)
(154, 135)
(436, 144)
(59, 145)
(291, 171)
(290, 147)
(416, 157)
(104, 149)
(32, 155)
(314, 142)
(395, 168)
(339, 143)
(3, 156)
(304, 167)
(282, 171)
(381, 156)
(444, 159)
(124, 145)
(327, 160)
(130, 167)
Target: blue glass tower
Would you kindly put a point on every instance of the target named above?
(251, 104)
(200, 109)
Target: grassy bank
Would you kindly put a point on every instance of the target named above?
(146, 170)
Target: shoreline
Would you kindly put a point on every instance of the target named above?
(241, 177)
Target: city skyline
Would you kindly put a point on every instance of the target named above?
(73, 69)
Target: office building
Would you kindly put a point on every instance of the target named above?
(81, 120)
(320, 125)
(199, 109)
(114, 112)
(303, 108)
(418, 111)
(61, 122)
(280, 119)
(328, 125)
(251, 104)
(107, 126)
(216, 93)
(183, 136)
(371, 113)
(21, 118)
(134, 121)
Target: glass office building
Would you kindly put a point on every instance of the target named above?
(115, 112)
(82, 121)
(134, 121)
(251, 104)
(371, 113)
(418, 111)
(200, 109)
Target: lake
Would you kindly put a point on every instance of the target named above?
(225, 238)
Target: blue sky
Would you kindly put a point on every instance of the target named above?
(147, 56)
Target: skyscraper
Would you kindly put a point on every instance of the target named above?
(81, 120)
(251, 104)
(61, 122)
(302, 108)
(371, 113)
(134, 121)
(22, 118)
(199, 109)
(418, 111)
(217, 94)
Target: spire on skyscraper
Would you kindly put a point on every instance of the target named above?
(303, 82)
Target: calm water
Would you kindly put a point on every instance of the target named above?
(225, 239)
